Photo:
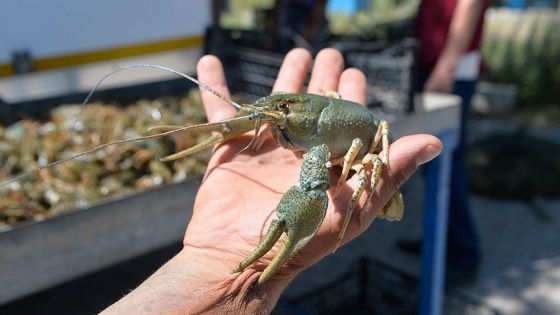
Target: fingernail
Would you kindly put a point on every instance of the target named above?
(428, 154)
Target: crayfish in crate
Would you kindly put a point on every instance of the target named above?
(322, 129)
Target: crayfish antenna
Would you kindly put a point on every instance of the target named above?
(147, 65)
(96, 87)
(96, 148)
(105, 145)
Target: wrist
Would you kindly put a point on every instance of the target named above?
(193, 282)
(222, 291)
(446, 64)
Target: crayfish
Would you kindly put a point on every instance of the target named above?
(347, 132)
(325, 131)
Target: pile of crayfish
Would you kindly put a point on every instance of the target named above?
(133, 166)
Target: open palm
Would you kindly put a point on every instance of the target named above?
(241, 188)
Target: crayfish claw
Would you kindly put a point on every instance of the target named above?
(222, 131)
(213, 140)
(287, 249)
(300, 212)
(272, 235)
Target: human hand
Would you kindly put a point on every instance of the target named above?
(241, 189)
(442, 77)
(238, 196)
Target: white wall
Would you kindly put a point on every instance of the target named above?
(59, 27)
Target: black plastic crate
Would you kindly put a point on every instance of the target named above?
(390, 69)
(371, 287)
(251, 71)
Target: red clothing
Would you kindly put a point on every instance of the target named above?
(432, 24)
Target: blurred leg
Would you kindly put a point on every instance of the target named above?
(463, 245)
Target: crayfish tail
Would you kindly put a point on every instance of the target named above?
(394, 209)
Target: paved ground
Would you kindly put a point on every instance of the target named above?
(520, 271)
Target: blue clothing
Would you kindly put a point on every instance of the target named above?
(463, 248)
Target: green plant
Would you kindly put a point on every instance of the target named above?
(523, 48)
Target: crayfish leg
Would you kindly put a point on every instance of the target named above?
(332, 94)
(394, 209)
(349, 159)
(362, 182)
(378, 165)
(382, 135)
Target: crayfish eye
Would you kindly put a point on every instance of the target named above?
(283, 105)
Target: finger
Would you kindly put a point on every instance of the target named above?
(327, 69)
(293, 71)
(211, 73)
(353, 86)
(407, 154)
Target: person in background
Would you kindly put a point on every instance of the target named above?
(450, 33)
